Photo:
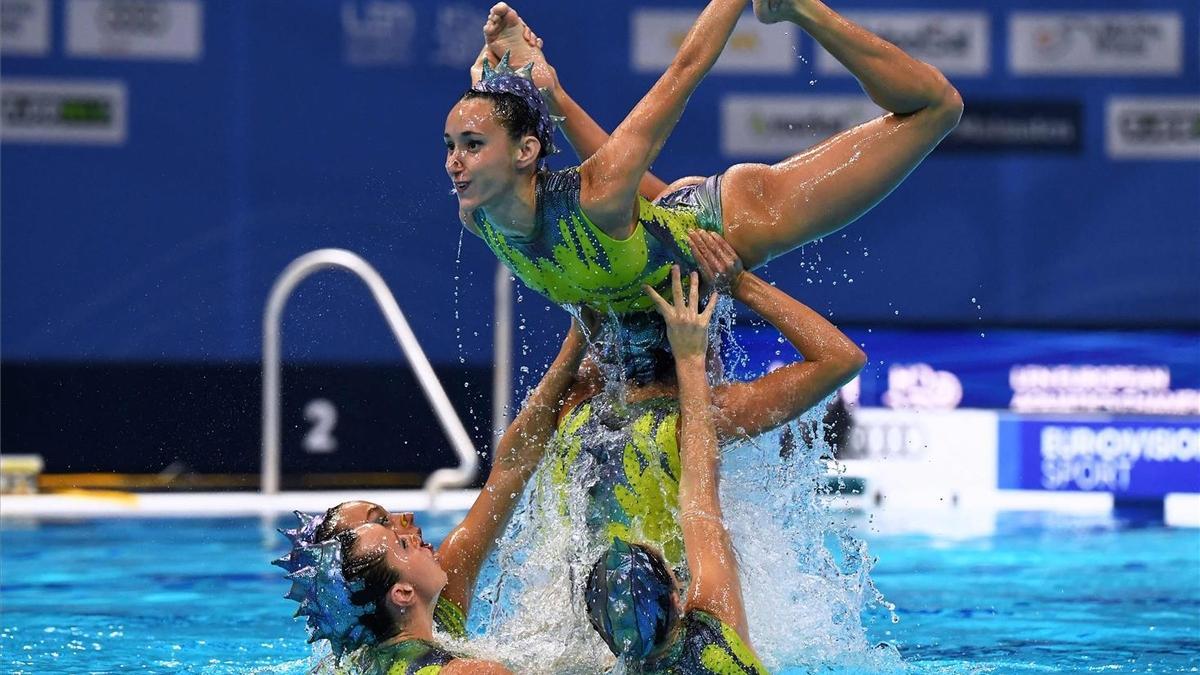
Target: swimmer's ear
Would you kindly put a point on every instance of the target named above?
(402, 594)
(528, 149)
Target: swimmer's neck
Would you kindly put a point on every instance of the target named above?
(418, 627)
(514, 211)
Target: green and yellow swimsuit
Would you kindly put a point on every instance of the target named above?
(629, 462)
(571, 261)
(706, 646)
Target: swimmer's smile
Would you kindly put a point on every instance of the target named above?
(461, 186)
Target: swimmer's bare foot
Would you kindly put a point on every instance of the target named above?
(505, 32)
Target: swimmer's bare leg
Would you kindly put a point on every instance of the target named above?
(505, 31)
(771, 209)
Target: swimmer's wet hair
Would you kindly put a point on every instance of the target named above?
(630, 600)
(373, 578)
(520, 105)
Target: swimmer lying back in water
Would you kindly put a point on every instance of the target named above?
(370, 584)
(593, 234)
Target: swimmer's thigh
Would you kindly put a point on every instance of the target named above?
(749, 218)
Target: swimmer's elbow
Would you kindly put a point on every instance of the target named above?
(850, 362)
(948, 105)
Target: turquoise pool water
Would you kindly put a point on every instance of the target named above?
(1043, 593)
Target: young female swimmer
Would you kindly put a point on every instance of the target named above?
(365, 577)
(593, 234)
(632, 597)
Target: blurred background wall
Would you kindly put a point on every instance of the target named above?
(163, 160)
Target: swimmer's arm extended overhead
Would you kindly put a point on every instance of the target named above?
(517, 455)
(830, 358)
(586, 136)
(611, 175)
(715, 587)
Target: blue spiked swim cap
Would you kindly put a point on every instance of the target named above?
(629, 599)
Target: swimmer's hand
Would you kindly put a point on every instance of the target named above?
(687, 326)
(719, 264)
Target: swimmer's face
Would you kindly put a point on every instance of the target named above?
(410, 556)
(349, 515)
(482, 160)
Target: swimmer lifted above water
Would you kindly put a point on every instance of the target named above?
(593, 234)
(369, 583)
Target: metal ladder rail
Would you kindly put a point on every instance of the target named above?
(300, 269)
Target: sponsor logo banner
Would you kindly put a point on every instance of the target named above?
(778, 126)
(957, 43)
(25, 27)
(52, 111)
(753, 48)
(379, 32)
(1165, 127)
(1137, 458)
(1003, 126)
(919, 386)
(168, 30)
(1101, 43)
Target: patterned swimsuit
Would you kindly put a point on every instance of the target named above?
(571, 261)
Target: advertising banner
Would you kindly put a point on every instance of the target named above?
(1140, 458)
(1153, 127)
(25, 27)
(170, 30)
(957, 43)
(1030, 125)
(928, 456)
(62, 111)
(1034, 372)
(655, 36)
(1095, 43)
(778, 126)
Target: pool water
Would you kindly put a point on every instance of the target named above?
(1041, 593)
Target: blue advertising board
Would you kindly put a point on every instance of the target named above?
(1131, 458)
(1148, 372)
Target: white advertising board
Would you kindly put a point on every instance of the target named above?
(957, 43)
(165, 30)
(63, 111)
(772, 127)
(25, 27)
(655, 36)
(1095, 43)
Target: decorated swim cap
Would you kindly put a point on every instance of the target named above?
(504, 80)
(324, 594)
(629, 599)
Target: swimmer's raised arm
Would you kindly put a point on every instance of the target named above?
(830, 358)
(505, 31)
(610, 177)
(520, 449)
(715, 587)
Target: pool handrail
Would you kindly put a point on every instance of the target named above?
(297, 271)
